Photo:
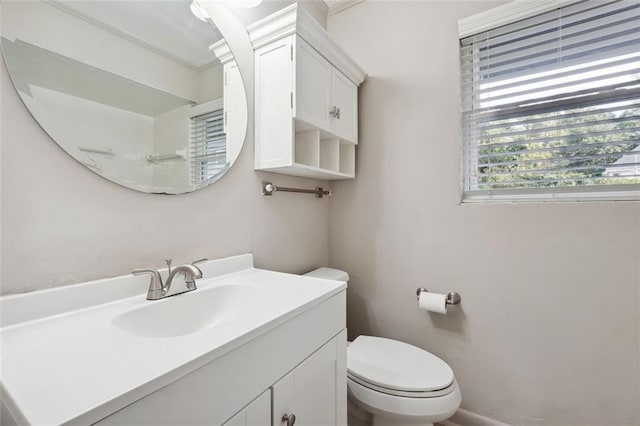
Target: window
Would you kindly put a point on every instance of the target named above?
(551, 105)
(207, 147)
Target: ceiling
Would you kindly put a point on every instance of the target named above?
(165, 27)
(34, 66)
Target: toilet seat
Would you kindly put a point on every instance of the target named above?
(396, 392)
(397, 368)
(427, 409)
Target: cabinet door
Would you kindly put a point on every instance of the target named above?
(345, 97)
(274, 105)
(258, 413)
(235, 110)
(315, 391)
(313, 86)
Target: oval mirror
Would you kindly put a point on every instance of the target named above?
(146, 94)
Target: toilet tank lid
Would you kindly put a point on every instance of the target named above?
(329, 274)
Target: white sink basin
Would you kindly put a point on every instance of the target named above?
(194, 311)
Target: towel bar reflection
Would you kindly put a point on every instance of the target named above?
(453, 298)
(159, 158)
(105, 151)
(268, 189)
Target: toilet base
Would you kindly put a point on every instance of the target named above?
(358, 416)
(367, 407)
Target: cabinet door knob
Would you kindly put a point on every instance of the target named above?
(289, 419)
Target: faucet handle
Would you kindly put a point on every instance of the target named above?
(156, 288)
(144, 271)
(204, 259)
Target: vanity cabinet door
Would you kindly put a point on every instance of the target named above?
(258, 413)
(345, 99)
(313, 86)
(316, 390)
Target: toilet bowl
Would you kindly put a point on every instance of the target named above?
(400, 384)
(394, 383)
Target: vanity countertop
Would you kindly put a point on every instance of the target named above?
(76, 367)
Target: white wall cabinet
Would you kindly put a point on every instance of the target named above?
(306, 97)
(235, 109)
(234, 100)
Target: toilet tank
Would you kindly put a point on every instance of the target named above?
(329, 274)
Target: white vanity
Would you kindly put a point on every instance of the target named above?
(249, 346)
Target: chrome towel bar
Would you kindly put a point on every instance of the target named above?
(268, 189)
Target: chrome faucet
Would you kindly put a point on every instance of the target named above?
(159, 290)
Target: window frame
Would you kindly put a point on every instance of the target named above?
(491, 19)
(194, 112)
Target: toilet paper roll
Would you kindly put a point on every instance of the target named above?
(433, 302)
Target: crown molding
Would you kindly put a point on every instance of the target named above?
(296, 20)
(336, 6)
(222, 51)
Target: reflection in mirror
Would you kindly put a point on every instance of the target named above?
(145, 93)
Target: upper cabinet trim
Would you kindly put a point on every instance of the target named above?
(295, 20)
(222, 51)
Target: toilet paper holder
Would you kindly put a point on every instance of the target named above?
(453, 298)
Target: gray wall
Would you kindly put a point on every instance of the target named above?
(548, 328)
(63, 224)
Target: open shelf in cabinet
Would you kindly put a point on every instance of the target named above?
(321, 155)
(347, 157)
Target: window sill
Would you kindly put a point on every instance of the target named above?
(557, 196)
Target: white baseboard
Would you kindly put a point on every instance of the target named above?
(467, 418)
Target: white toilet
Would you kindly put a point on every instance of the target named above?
(394, 383)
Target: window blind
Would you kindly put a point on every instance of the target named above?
(551, 104)
(208, 146)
